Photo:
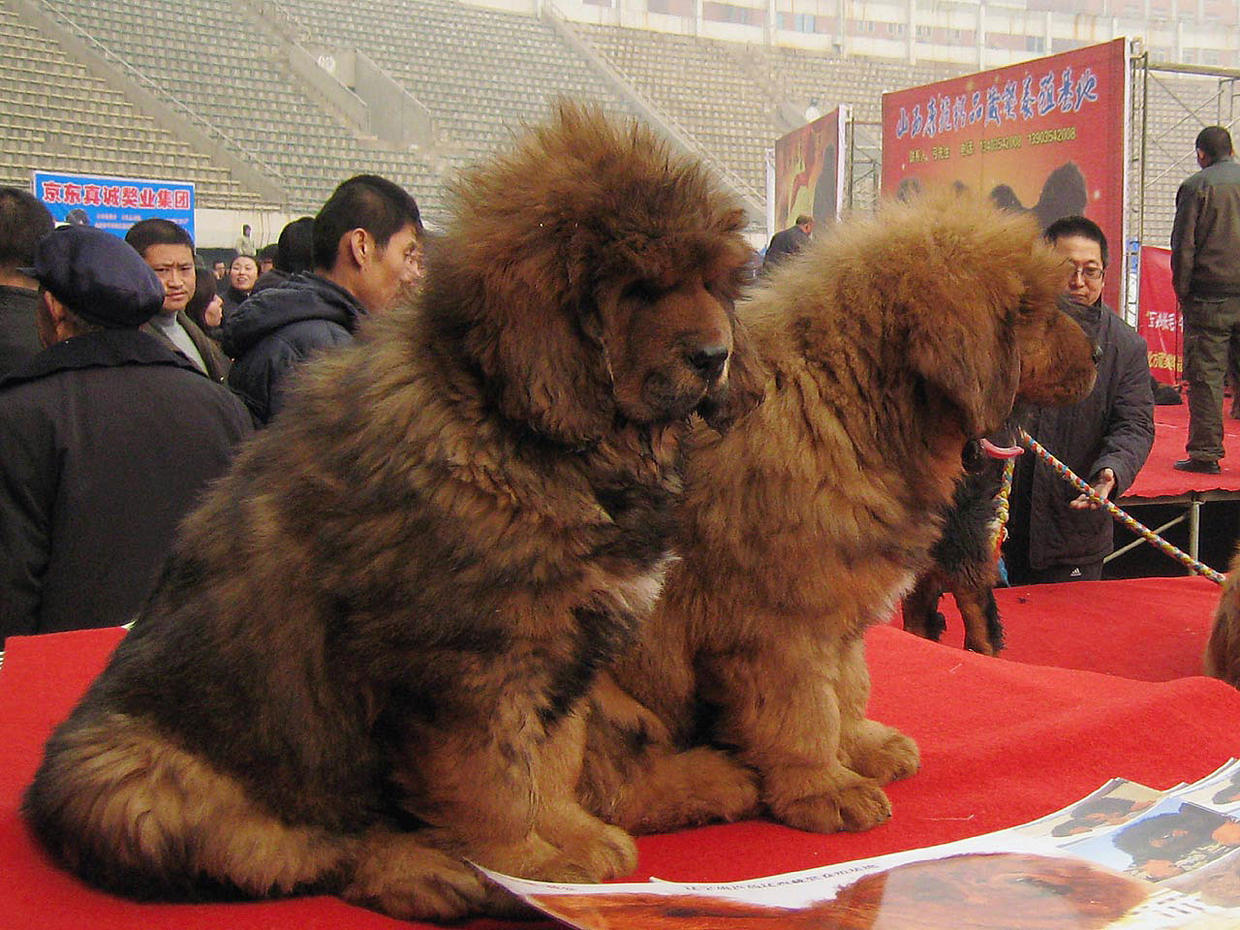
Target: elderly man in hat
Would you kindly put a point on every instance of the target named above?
(106, 439)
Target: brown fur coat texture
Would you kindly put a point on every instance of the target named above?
(364, 660)
(1223, 648)
(886, 346)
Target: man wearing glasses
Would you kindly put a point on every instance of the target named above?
(1205, 271)
(1056, 534)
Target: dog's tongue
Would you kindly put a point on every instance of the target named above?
(999, 452)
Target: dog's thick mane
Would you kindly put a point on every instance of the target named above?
(497, 347)
(579, 210)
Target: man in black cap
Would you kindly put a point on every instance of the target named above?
(106, 439)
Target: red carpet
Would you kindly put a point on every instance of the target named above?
(1150, 629)
(1003, 741)
(1158, 479)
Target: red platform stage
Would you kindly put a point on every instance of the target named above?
(1183, 494)
(1158, 479)
(1099, 679)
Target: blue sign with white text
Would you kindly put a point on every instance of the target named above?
(114, 204)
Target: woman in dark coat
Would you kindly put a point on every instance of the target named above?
(206, 307)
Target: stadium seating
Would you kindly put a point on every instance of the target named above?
(209, 61)
(58, 116)
(479, 72)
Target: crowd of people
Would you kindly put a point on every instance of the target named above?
(129, 375)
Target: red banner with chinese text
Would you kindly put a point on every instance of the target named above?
(1159, 319)
(1046, 136)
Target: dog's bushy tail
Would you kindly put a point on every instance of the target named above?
(131, 813)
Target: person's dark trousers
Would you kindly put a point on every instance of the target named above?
(1211, 328)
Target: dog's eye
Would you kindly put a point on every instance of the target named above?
(644, 291)
(726, 290)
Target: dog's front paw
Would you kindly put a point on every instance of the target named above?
(401, 877)
(675, 790)
(853, 805)
(601, 854)
(718, 787)
(881, 752)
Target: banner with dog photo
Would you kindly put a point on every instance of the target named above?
(809, 171)
(1126, 857)
(1045, 137)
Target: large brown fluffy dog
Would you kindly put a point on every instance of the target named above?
(363, 660)
(887, 346)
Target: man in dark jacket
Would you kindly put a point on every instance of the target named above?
(106, 439)
(787, 242)
(367, 249)
(1205, 271)
(1057, 534)
(23, 222)
(169, 251)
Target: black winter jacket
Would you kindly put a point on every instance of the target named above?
(278, 329)
(19, 338)
(106, 441)
(1113, 427)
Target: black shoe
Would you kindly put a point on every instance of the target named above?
(1198, 465)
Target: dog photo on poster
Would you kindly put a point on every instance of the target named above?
(1044, 136)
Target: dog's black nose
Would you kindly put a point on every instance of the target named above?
(708, 361)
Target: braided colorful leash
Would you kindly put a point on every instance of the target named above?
(1064, 472)
(1002, 508)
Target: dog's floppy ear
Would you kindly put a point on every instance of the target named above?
(517, 320)
(969, 355)
(746, 381)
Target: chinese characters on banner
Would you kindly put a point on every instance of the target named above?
(114, 204)
(1159, 322)
(1044, 136)
(809, 171)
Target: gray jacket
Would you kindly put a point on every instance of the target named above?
(1205, 239)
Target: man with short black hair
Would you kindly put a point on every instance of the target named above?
(106, 439)
(169, 251)
(266, 259)
(294, 254)
(1056, 534)
(1205, 271)
(23, 222)
(367, 247)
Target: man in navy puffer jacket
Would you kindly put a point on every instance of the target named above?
(367, 248)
